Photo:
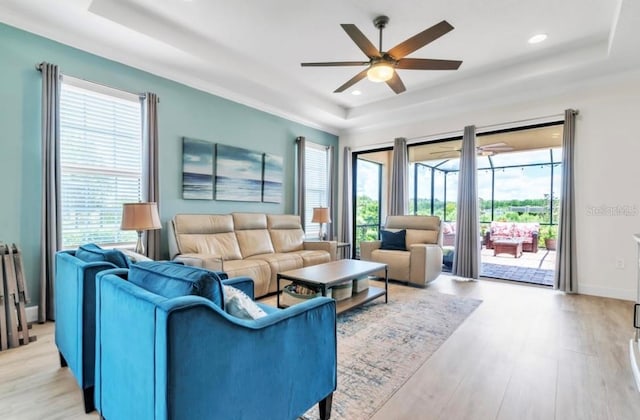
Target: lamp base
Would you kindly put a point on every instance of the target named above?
(320, 233)
(139, 246)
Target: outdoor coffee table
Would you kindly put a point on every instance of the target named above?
(324, 276)
(508, 246)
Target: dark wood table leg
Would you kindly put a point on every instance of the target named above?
(386, 284)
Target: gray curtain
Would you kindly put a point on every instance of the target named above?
(330, 201)
(50, 241)
(466, 261)
(346, 228)
(151, 190)
(399, 168)
(300, 186)
(566, 275)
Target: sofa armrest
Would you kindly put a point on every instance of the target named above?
(425, 263)
(208, 261)
(330, 246)
(367, 247)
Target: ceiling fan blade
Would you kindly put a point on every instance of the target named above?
(335, 63)
(355, 79)
(488, 146)
(497, 149)
(395, 83)
(420, 40)
(427, 64)
(361, 41)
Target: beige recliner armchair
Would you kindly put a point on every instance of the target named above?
(421, 262)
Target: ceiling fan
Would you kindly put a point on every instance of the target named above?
(382, 65)
(487, 150)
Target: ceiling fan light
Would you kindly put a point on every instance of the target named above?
(380, 72)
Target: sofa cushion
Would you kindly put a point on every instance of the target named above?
(417, 236)
(238, 304)
(254, 242)
(286, 232)
(312, 257)
(258, 270)
(277, 264)
(224, 245)
(249, 221)
(398, 263)
(413, 222)
(393, 240)
(174, 280)
(93, 253)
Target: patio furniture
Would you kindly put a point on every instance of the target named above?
(526, 232)
(508, 246)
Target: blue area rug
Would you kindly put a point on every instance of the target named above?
(381, 345)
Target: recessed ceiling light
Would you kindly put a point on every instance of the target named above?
(356, 92)
(537, 38)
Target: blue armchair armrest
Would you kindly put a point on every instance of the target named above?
(185, 358)
(75, 315)
(242, 283)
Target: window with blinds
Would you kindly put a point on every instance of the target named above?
(316, 184)
(100, 162)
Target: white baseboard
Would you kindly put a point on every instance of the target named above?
(624, 294)
(32, 313)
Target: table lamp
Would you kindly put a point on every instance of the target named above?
(321, 215)
(140, 217)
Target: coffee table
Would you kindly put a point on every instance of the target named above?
(508, 246)
(324, 276)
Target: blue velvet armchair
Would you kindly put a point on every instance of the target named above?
(167, 354)
(75, 310)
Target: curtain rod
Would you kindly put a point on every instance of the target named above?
(459, 133)
(140, 95)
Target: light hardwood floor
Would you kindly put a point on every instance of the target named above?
(525, 353)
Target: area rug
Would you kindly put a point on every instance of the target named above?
(381, 345)
(522, 274)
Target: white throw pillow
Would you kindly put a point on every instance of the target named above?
(134, 256)
(238, 304)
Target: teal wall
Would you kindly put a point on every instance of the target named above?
(183, 111)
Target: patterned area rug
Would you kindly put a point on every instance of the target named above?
(381, 345)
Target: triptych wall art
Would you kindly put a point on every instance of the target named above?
(217, 171)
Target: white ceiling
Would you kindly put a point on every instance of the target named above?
(250, 50)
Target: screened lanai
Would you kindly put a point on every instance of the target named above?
(519, 178)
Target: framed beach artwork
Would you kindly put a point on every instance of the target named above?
(238, 174)
(197, 169)
(272, 178)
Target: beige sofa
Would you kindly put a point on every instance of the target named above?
(256, 245)
(422, 261)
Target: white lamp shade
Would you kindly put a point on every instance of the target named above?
(140, 216)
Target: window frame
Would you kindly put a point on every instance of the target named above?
(74, 165)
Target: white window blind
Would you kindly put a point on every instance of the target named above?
(316, 184)
(100, 162)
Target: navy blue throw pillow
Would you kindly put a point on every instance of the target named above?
(394, 241)
(174, 280)
(93, 253)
